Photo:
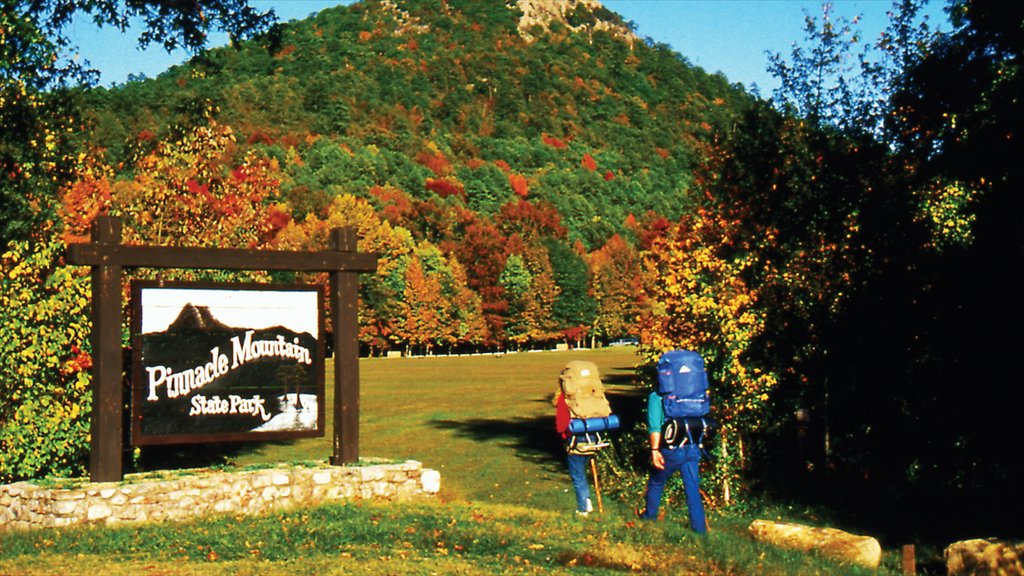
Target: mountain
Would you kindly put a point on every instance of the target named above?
(500, 145)
(196, 319)
(536, 85)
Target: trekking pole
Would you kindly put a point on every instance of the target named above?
(704, 496)
(597, 487)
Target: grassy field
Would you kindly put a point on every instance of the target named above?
(506, 506)
(485, 422)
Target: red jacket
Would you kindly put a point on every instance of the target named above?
(562, 415)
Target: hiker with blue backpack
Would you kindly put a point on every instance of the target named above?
(677, 419)
(582, 412)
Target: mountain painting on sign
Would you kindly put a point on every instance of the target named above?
(237, 362)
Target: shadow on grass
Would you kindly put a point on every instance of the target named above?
(534, 438)
(185, 456)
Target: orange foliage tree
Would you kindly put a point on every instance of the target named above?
(615, 280)
(421, 309)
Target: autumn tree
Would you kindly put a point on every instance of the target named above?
(906, 260)
(483, 249)
(422, 312)
(615, 281)
(45, 398)
(380, 292)
(39, 113)
(467, 328)
(698, 300)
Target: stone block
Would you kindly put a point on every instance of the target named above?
(69, 495)
(98, 511)
(65, 507)
(984, 557)
(229, 505)
(371, 474)
(430, 481)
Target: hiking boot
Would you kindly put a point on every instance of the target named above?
(590, 507)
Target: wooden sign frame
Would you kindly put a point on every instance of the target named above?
(108, 258)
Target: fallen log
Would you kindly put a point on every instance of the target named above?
(829, 542)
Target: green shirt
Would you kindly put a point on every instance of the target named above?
(655, 413)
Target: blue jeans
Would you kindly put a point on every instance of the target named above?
(578, 473)
(685, 460)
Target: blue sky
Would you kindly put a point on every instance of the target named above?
(727, 36)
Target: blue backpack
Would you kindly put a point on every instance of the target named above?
(683, 384)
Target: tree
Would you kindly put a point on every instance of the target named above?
(616, 280)
(828, 84)
(483, 248)
(467, 325)
(379, 293)
(574, 306)
(697, 299)
(422, 309)
(184, 193)
(45, 398)
(523, 311)
(38, 112)
(956, 120)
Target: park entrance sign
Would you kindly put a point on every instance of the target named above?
(226, 362)
(108, 259)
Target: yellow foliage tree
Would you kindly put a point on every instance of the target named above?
(696, 299)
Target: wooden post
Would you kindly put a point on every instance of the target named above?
(909, 562)
(107, 363)
(344, 320)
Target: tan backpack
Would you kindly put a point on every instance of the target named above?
(583, 390)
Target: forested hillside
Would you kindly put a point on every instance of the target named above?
(491, 167)
(495, 160)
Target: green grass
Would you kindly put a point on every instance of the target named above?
(486, 423)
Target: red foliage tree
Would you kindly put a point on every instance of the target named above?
(445, 188)
(519, 185)
(588, 162)
(552, 141)
(530, 220)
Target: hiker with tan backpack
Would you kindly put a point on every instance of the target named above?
(581, 413)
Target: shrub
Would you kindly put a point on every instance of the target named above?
(45, 399)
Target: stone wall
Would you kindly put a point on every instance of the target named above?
(192, 493)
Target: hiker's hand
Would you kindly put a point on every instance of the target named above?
(657, 460)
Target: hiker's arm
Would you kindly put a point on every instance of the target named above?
(657, 460)
(655, 420)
